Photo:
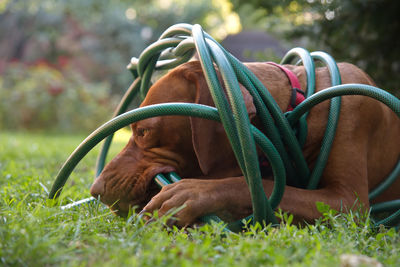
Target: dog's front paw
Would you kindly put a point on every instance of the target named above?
(189, 199)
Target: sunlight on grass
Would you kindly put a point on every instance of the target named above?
(122, 135)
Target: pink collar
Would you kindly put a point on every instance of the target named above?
(297, 94)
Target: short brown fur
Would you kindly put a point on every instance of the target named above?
(365, 150)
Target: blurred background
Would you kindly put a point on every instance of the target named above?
(63, 63)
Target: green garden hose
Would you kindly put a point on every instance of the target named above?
(308, 63)
(283, 150)
(331, 125)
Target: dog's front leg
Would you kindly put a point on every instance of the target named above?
(228, 198)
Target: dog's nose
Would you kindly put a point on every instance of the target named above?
(97, 188)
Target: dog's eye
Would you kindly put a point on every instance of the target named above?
(140, 132)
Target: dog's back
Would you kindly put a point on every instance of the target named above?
(367, 141)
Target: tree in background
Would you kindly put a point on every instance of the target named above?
(99, 37)
(364, 32)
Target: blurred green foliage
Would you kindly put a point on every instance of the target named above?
(41, 97)
(363, 32)
(85, 46)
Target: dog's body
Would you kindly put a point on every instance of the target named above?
(364, 152)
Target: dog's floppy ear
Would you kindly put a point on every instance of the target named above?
(214, 153)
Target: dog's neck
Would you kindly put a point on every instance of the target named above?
(277, 82)
(300, 72)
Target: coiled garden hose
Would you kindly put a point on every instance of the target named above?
(280, 144)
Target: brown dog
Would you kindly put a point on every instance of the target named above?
(365, 150)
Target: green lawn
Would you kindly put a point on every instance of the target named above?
(34, 231)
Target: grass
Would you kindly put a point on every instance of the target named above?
(34, 231)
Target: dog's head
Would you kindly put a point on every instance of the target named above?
(192, 147)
